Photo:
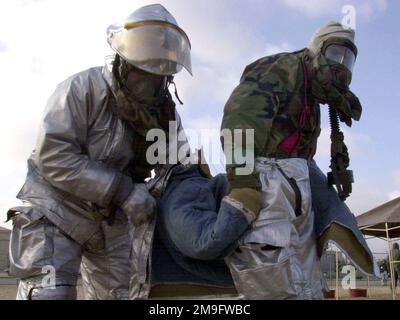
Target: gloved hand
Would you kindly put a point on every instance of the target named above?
(245, 193)
(134, 200)
(248, 200)
(140, 205)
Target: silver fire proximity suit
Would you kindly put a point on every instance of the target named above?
(80, 154)
(66, 223)
(278, 257)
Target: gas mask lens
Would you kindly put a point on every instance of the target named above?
(341, 54)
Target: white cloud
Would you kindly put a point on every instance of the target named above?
(364, 8)
(396, 180)
(216, 80)
(356, 142)
(312, 7)
(394, 194)
(396, 177)
(365, 196)
(222, 45)
(369, 9)
(3, 47)
(271, 48)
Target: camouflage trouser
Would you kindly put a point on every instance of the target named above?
(47, 261)
(277, 258)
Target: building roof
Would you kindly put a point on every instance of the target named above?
(4, 230)
(374, 222)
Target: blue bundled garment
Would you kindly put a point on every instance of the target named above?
(195, 229)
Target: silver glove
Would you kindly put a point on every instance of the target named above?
(140, 205)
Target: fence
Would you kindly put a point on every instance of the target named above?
(347, 282)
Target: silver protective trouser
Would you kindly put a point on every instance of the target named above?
(48, 262)
(277, 258)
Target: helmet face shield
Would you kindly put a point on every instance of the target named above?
(153, 46)
(341, 54)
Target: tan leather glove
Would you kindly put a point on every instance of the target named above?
(245, 192)
(249, 201)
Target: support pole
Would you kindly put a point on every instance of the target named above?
(337, 274)
(390, 263)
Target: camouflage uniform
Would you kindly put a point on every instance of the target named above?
(277, 258)
(270, 99)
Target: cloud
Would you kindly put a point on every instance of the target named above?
(365, 197)
(3, 47)
(394, 194)
(312, 7)
(25, 3)
(396, 181)
(356, 142)
(213, 82)
(368, 9)
(271, 48)
(364, 8)
(396, 177)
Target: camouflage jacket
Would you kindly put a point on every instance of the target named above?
(271, 99)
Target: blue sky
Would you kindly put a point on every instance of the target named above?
(42, 42)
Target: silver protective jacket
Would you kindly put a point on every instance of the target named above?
(81, 152)
(277, 258)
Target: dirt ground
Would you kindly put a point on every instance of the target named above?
(8, 292)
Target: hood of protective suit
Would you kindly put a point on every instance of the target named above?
(331, 30)
(151, 40)
(155, 12)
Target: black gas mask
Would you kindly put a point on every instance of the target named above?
(331, 77)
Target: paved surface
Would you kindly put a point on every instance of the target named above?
(8, 292)
(8, 288)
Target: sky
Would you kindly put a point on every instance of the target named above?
(42, 42)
